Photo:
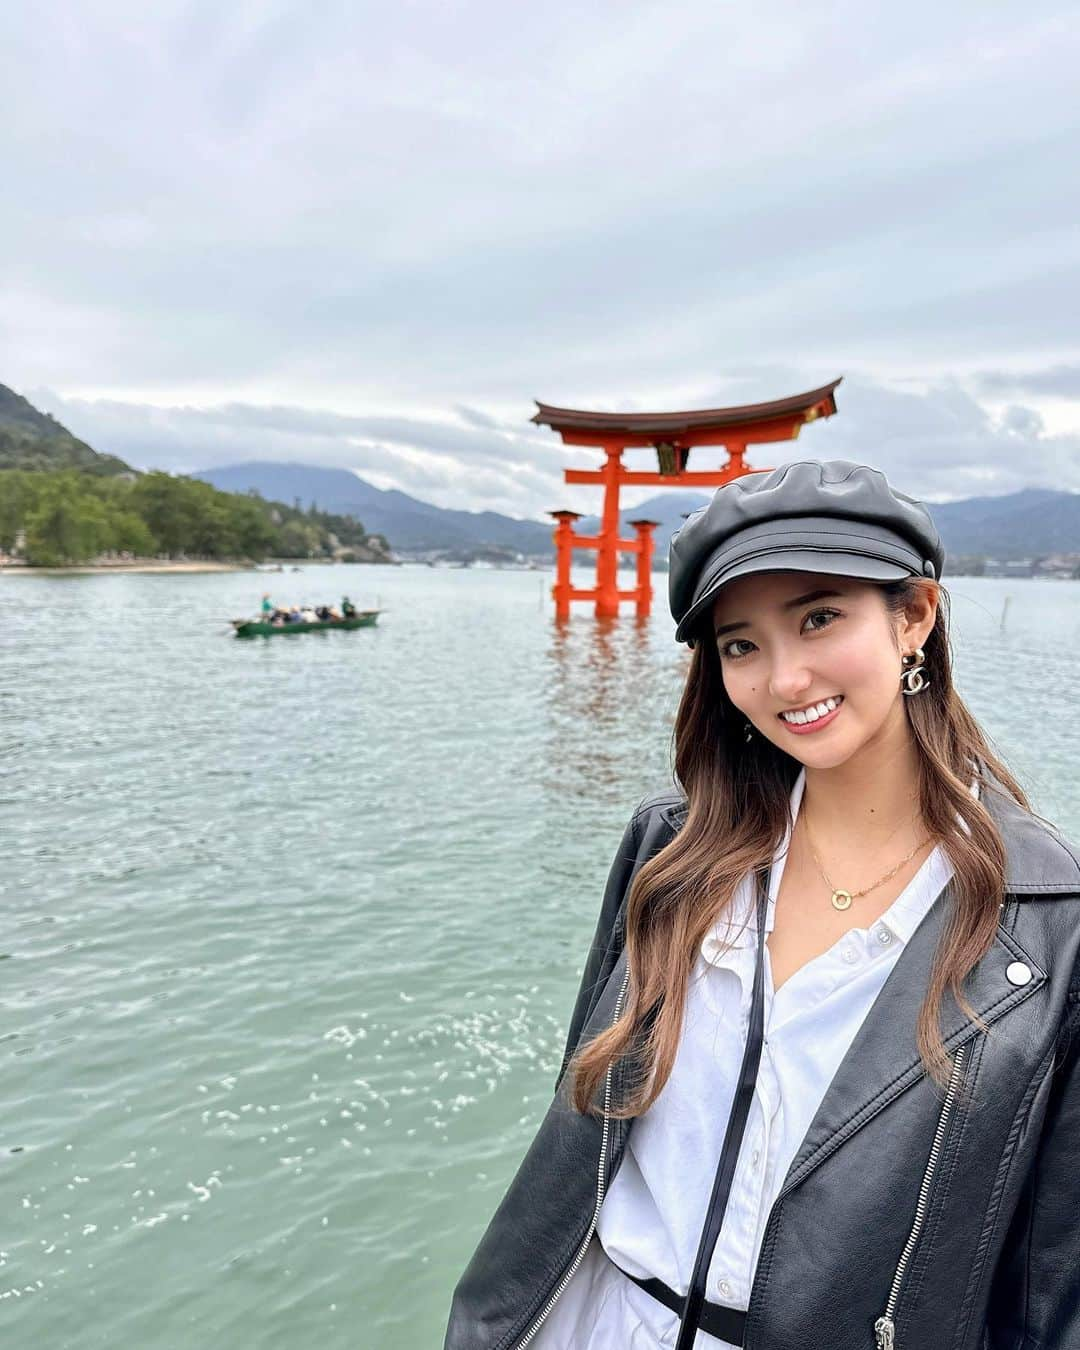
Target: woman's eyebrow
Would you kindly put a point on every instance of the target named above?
(788, 604)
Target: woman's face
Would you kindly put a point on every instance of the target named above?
(789, 641)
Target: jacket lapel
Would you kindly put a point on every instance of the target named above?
(882, 1061)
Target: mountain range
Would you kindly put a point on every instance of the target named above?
(1025, 524)
(1031, 523)
(411, 525)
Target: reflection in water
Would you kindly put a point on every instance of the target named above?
(294, 928)
(611, 694)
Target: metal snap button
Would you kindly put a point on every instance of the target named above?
(1019, 973)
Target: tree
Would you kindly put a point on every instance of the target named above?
(129, 534)
(165, 507)
(297, 540)
(251, 527)
(17, 498)
(66, 526)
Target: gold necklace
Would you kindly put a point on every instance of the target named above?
(842, 899)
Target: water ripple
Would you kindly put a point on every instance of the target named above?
(292, 928)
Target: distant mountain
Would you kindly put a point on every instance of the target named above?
(1021, 525)
(1031, 523)
(408, 523)
(1024, 524)
(30, 439)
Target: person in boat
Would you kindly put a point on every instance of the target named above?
(821, 1084)
(348, 609)
(267, 606)
(295, 615)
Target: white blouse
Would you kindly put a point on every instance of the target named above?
(652, 1215)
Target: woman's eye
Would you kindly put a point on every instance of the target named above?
(726, 648)
(826, 614)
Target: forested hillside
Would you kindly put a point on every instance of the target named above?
(68, 516)
(62, 502)
(30, 439)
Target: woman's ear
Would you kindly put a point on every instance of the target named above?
(920, 615)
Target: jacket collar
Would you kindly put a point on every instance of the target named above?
(882, 1061)
(1038, 860)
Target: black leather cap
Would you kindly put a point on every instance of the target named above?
(813, 516)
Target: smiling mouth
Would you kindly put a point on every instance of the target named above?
(814, 712)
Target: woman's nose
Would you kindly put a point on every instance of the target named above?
(789, 679)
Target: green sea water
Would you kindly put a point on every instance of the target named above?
(290, 928)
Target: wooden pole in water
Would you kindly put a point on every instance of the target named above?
(563, 535)
(607, 554)
(645, 544)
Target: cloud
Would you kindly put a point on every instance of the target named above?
(940, 443)
(370, 237)
(441, 459)
(1054, 382)
(417, 207)
(936, 441)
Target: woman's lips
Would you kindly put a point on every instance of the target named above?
(805, 728)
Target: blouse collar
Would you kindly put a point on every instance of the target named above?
(739, 928)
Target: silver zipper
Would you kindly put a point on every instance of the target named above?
(601, 1181)
(885, 1326)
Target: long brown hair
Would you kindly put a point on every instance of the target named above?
(738, 810)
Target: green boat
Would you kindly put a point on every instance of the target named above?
(363, 618)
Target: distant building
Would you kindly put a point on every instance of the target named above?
(1008, 567)
(1065, 566)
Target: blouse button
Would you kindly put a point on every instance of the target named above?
(725, 1288)
(849, 956)
(884, 936)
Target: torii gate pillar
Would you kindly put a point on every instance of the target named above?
(672, 436)
(565, 543)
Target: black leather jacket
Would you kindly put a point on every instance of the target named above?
(944, 1220)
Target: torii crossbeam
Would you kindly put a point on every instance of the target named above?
(672, 435)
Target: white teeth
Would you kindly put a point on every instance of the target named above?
(812, 714)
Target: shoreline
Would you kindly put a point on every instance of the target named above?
(127, 568)
(150, 566)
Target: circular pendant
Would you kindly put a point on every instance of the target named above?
(841, 899)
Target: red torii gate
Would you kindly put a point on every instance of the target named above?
(672, 435)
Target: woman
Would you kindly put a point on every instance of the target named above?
(821, 1086)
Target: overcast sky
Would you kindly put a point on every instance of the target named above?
(368, 236)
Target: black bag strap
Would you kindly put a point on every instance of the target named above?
(733, 1137)
(726, 1324)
